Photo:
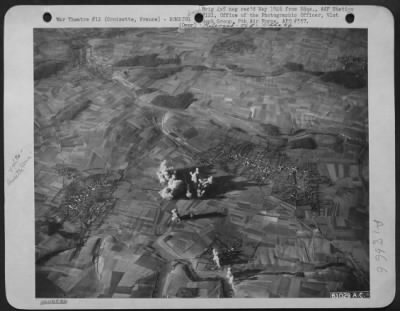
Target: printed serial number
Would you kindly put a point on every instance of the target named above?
(356, 294)
(53, 301)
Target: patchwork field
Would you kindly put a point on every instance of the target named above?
(278, 117)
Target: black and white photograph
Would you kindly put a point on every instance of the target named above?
(201, 163)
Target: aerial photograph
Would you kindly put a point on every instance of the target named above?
(201, 162)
